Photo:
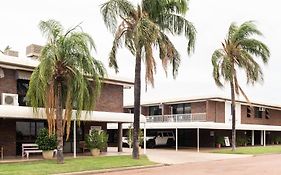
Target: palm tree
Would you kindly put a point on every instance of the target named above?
(239, 51)
(67, 77)
(7, 48)
(142, 27)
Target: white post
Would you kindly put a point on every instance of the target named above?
(264, 138)
(74, 137)
(261, 137)
(144, 139)
(176, 139)
(198, 140)
(253, 137)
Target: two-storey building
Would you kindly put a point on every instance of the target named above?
(201, 121)
(19, 125)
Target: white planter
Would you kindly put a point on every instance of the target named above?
(48, 154)
(95, 152)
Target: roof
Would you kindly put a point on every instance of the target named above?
(28, 64)
(202, 99)
(23, 112)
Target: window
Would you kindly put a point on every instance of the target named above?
(28, 130)
(22, 87)
(184, 108)
(258, 112)
(155, 110)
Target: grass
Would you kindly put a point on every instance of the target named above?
(43, 167)
(251, 150)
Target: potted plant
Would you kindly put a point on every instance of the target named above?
(219, 140)
(276, 140)
(47, 143)
(96, 141)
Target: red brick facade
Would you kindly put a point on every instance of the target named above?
(215, 111)
(8, 136)
(274, 119)
(110, 100)
(8, 84)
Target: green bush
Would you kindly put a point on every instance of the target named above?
(219, 140)
(276, 139)
(96, 139)
(45, 141)
(242, 140)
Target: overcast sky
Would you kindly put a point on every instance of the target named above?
(19, 28)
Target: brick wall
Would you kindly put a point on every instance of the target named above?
(198, 107)
(215, 111)
(145, 110)
(275, 117)
(111, 99)
(8, 136)
(8, 84)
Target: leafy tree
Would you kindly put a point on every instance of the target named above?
(68, 76)
(239, 50)
(142, 28)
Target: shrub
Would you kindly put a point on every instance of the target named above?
(96, 139)
(219, 140)
(45, 141)
(242, 140)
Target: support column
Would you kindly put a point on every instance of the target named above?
(74, 138)
(176, 139)
(144, 138)
(264, 137)
(261, 137)
(198, 140)
(253, 137)
(120, 134)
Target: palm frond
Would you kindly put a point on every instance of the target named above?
(112, 9)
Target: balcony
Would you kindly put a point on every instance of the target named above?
(174, 118)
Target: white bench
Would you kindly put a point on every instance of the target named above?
(28, 148)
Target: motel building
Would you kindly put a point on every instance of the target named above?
(199, 122)
(19, 125)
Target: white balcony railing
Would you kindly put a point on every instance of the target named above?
(196, 117)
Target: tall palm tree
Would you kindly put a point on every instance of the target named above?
(67, 77)
(141, 28)
(239, 50)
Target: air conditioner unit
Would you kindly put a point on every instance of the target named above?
(261, 109)
(9, 99)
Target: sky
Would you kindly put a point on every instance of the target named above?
(19, 28)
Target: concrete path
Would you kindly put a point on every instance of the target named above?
(255, 165)
(169, 156)
(177, 157)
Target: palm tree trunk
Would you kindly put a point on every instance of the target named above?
(137, 92)
(233, 139)
(60, 159)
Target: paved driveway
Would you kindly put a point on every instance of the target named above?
(177, 157)
(255, 165)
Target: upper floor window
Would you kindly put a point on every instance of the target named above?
(184, 108)
(259, 112)
(155, 110)
(22, 88)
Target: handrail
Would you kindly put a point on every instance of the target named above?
(195, 117)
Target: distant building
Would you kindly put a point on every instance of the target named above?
(208, 118)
